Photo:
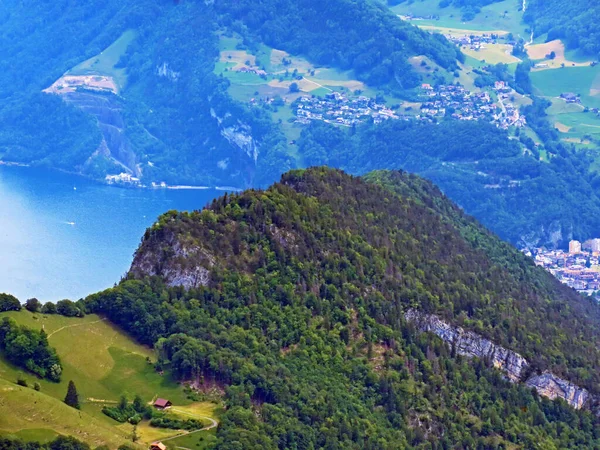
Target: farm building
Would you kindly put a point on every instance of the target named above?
(157, 446)
(569, 97)
(162, 403)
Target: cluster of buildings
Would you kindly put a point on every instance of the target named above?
(463, 104)
(467, 105)
(578, 268)
(123, 179)
(474, 42)
(510, 115)
(338, 109)
(440, 101)
(570, 97)
(253, 70)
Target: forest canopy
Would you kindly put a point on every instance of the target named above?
(313, 349)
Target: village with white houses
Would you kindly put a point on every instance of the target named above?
(579, 267)
(447, 100)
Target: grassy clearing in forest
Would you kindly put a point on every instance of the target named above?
(105, 62)
(104, 363)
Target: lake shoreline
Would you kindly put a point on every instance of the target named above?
(125, 185)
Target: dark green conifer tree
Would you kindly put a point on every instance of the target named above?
(72, 397)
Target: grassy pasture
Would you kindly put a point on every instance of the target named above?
(493, 54)
(538, 52)
(238, 57)
(103, 362)
(578, 128)
(31, 414)
(503, 16)
(105, 62)
(196, 441)
(579, 80)
(559, 106)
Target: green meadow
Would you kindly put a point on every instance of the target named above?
(579, 80)
(502, 16)
(104, 363)
(104, 63)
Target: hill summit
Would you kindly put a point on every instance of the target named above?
(337, 312)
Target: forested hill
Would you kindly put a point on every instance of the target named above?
(294, 298)
(168, 116)
(360, 35)
(520, 198)
(575, 22)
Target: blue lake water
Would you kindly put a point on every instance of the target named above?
(62, 236)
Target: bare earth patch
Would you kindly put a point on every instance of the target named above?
(576, 141)
(70, 83)
(539, 52)
(304, 85)
(561, 127)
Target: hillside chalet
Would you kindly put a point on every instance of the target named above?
(162, 403)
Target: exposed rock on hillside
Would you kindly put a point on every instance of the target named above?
(179, 264)
(511, 363)
(107, 110)
(553, 387)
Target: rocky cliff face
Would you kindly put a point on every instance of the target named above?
(553, 387)
(178, 263)
(108, 112)
(239, 135)
(511, 363)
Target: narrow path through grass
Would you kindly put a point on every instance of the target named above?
(74, 325)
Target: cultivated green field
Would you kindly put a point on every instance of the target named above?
(283, 69)
(104, 63)
(579, 80)
(194, 441)
(104, 363)
(497, 16)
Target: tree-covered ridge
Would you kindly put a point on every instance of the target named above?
(510, 191)
(171, 124)
(173, 119)
(361, 35)
(469, 8)
(301, 318)
(574, 22)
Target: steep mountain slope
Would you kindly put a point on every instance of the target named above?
(575, 22)
(522, 199)
(161, 112)
(296, 299)
(359, 35)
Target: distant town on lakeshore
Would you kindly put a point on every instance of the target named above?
(579, 267)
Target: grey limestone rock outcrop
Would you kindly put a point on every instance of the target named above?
(553, 387)
(177, 263)
(510, 362)
(238, 134)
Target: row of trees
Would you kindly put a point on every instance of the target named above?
(65, 307)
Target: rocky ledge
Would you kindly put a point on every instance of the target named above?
(513, 365)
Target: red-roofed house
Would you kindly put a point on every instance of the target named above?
(157, 446)
(162, 403)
